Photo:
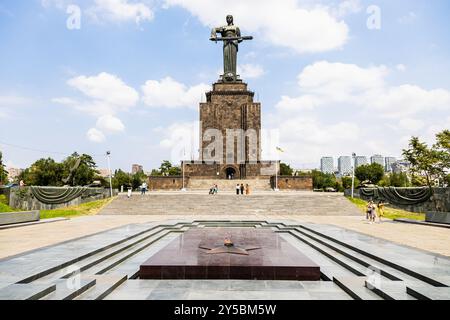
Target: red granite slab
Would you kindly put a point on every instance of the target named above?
(276, 259)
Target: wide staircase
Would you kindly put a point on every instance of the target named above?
(227, 203)
(229, 185)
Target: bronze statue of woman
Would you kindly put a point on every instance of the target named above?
(230, 47)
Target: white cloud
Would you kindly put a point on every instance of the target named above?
(400, 67)
(120, 11)
(110, 124)
(317, 122)
(64, 101)
(327, 84)
(411, 124)
(250, 71)
(107, 91)
(172, 94)
(12, 101)
(348, 7)
(181, 139)
(95, 135)
(282, 23)
(104, 95)
(409, 18)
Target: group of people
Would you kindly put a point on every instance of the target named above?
(240, 189)
(143, 188)
(214, 189)
(374, 210)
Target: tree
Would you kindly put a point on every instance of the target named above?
(324, 180)
(372, 173)
(399, 180)
(137, 179)
(167, 169)
(425, 161)
(347, 182)
(121, 178)
(44, 172)
(79, 170)
(285, 169)
(431, 163)
(3, 172)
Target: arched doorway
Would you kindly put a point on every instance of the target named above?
(230, 173)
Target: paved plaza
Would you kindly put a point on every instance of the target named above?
(98, 257)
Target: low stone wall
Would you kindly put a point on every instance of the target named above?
(293, 183)
(441, 198)
(7, 218)
(156, 183)
(438, 217)
(23, 197)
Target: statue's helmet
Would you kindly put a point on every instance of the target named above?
(229, 18)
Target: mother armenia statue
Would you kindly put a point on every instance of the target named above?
(231, 37)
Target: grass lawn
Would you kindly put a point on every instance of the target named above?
(85, 209)
(3, 206)
(390, 213)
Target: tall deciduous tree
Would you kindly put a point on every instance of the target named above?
(285, 169)
(373, 173)
(3, 172)
(79, 170)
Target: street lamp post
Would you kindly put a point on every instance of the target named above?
(182, 168)
(353, 173)
(108, 155)
(276, 176)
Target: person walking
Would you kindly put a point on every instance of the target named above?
(129, 192)
(373, 213)
(242, 188)
(247, 189)
(380, 210)
(369, 210)
(238, 189)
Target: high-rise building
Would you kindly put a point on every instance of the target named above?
(345, 165)
(360, 161)
(388, 162)
(137, 168)
(376, 158)
(13, 173)
(401, 166)
(327, 165)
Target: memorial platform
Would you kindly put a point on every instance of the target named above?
(230, 253)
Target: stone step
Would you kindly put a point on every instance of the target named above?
(429, 293)
(101, 255)
(131, 266)
(389, 290)
(67, 289)
(355, 287)
(105, 284)
(349, 264)
(26, 291)
(352, 255)
(229, 185)
(387, 267)
(108, 264)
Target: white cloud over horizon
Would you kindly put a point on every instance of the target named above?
(378, 112)
(305, 29)
(169, 93)
(102, 11)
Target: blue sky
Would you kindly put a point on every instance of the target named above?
(130, 79)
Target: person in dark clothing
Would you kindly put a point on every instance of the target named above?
(242, 188)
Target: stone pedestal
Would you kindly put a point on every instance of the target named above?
(259, 254)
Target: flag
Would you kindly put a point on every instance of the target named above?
(279, 149)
